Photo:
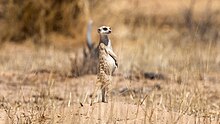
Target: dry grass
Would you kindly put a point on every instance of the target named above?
(24, 19)
(36, 84)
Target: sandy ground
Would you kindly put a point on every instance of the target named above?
(50, 98)
(35, 87)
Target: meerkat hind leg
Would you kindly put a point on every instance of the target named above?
(103, 89)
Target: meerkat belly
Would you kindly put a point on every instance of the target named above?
(111, 63)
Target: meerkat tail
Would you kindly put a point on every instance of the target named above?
(88, 35)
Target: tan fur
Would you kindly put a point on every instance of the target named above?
(105, 69)
(104, 72)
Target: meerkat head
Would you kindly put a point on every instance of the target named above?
(104, 30)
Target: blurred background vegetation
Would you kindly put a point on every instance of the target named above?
(37, 20)
(24, 19)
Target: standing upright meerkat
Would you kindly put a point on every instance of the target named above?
(107, 63)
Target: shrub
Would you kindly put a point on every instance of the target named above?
(30, 18)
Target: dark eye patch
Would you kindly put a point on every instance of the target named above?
(105, 29)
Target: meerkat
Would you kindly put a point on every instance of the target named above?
(107, 63)
(106, 67)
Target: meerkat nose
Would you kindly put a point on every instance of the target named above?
(110, 31)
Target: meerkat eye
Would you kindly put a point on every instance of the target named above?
(105, 29)
(99, 30)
